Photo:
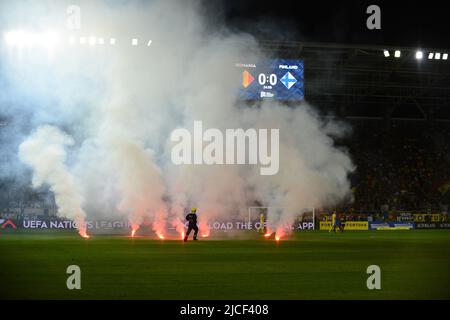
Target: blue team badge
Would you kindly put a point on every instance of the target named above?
(288, 80)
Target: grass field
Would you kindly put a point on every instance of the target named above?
(313, 265)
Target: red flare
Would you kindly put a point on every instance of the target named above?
(204, 228)
(84, 235)
(81, 226)
(159, 224)
(179, 226)
(134, 228)
(82, 231)
(279, 234)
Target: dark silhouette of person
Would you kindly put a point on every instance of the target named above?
(192, 218)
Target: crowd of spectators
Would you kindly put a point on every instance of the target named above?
(403, 168)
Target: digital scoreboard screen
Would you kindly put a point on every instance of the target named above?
(278, 79)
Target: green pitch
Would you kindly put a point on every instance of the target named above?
(313, 265)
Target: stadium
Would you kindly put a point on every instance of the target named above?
(193, 159)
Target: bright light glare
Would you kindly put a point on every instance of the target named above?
(386, 53)
(419, 55)
(134, 42)
(22, 38)
(92, 41)
(112, 41)
(72, 40)
(397, 53)
(9, 38)
(445, 56)
(437, 56)
(49, 39)
(430, 55)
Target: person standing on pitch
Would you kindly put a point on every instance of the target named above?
(333, 222)
(262, 220)
(192, 218)
(337, 222)
(342, 219)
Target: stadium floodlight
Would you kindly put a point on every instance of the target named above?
(445, 56)
(48, 39)
(419, 55)
(23, 38)
(8, 38)
(134, 42)
(92, 41)
(82, 40)
(437, 56)
(112, 41)
(397, 53)
(430, 55)
(386, 53)
(17, 38)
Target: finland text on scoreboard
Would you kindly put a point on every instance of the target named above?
(279, 79)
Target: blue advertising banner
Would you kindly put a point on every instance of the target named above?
(391, 225)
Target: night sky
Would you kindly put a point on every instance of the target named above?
(403, 23)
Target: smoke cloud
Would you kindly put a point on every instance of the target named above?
(119, 104)
(44, 151)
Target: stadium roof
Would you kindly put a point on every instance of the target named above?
(357, 79)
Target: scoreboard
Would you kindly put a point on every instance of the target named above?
(279, 79)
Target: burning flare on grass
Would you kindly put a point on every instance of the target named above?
(159, 224)
(134, 228)
(279, 233)
(82, 230)
(160, 235)
(268, 233)
(179, 226)
(204, 228)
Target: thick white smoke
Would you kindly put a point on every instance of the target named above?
(140, 94)
(44, 151)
